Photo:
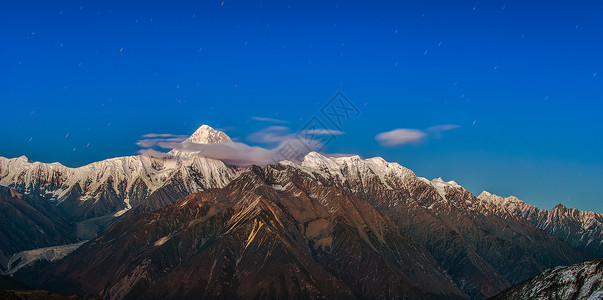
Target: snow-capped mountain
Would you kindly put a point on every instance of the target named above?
(112, 186)
(580, 281)
(582, 229)
(273, 232)
(483, 248)
(329, 214)
(318, 210)
(203, 135)
(208, 135)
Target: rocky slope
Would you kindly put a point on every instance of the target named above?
(581, 281)
(582, 229)
(484, 249)
(273, 232)
(320, 220)
(35, 295)
(29, 222)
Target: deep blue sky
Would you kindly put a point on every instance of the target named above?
(82, 81)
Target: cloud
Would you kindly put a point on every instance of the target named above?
(404, 136)
(440, 128)
(163, 135)
(322, 132)
(400, 136)
(283, 146)
(270, 120)
(152, 140)
(270, 135)
(436, 131)
(277, 134)
(241, 154)
(152, 153)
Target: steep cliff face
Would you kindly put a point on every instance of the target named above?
(581, 281)
(483, 248)
(29, 222)
(328, 227)
(275, 232)
(196, 175)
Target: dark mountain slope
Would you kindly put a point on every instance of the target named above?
(29, 222)
(483, 248)
(269, 233)
(581, 281)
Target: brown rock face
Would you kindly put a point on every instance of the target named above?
(483, 248)
(581, 229)
(275, 232)
(29, 222)
(580, 281)
(330, 228)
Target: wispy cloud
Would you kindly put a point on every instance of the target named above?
(400, 136)
(322, 132)
(440, 128)
(270, 135)
(270, 120)
(280, 143)
(241, 154)
(162, 135)
(436, 131)
(277, 134)
(404, 136)
(152, 140)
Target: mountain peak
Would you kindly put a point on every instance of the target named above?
(207, 135)
(484, 194)
(500, 200)
(24, 158)
(440, 181)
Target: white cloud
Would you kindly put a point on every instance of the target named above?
(270, 135)
(436, 131)
(270, 120)
(152, 140)
(400, 136)
(163, 135)
(152, 152)
(285, 146)
(322, 132)
(241, 154)
(440, 128)
(404, 136)
(277, 134)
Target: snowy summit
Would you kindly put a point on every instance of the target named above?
(203, 135)
(207, 135)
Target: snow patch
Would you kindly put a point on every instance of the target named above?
(28, 257)
(278, 187)
(440, 185)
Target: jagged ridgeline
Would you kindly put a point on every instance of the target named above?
(329, 227)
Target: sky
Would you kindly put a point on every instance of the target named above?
(504, 96)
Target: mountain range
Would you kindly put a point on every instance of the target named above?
(186, 226)
(106, 189)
